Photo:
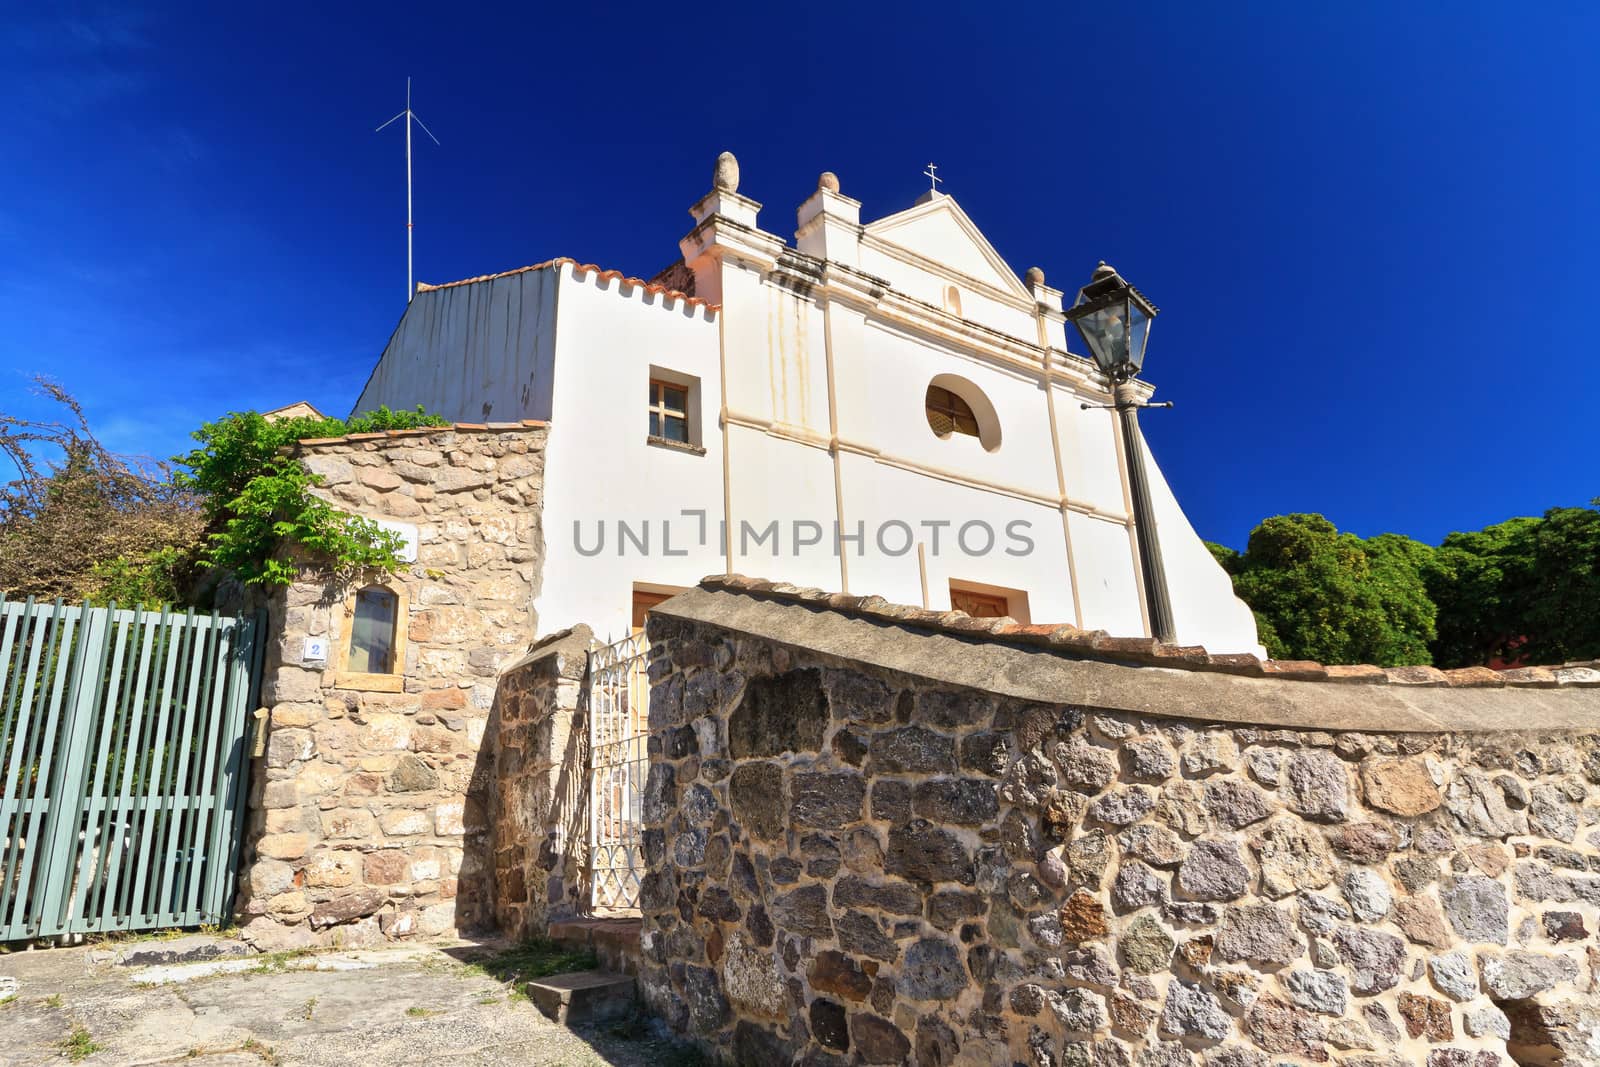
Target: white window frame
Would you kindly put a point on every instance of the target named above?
(691, 413)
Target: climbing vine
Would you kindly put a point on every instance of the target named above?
(258, 500)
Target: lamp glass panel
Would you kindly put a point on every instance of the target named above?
(1138, 335)
(1106, 333)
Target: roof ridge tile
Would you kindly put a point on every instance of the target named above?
(1147, 651)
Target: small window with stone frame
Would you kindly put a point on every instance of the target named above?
(372, 642)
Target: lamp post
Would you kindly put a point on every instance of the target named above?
(1114, 320)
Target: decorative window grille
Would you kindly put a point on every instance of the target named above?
(619, 731)
(948, 413)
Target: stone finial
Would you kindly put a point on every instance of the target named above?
(1034, 277)
(726, 174)
(829, 181)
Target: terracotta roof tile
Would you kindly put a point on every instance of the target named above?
(1415, 676)
(1303, 670)
(1541, 677)
(1466, 677)
(1361, 674)
(580, 269)
(1099, 645)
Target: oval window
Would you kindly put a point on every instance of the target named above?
(948, 413)
(956, 406)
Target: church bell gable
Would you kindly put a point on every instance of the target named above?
(936, 231)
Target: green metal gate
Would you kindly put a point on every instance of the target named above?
(123, 766)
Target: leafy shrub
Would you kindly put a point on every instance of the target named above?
(257, 497)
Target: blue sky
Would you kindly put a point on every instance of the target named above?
(1371, 228)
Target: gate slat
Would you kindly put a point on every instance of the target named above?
(97, 826)
(244, 683)
(16, 734)
(71, 763)
(147, 873)
(128, 756)
(42, 733)
(215, 705)
(153, 712)
(178, 770)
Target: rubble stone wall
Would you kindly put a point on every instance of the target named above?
(538, 819)
(853, 864)
(368, 810)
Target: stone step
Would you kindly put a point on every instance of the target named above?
(583, 996)
(613, 940)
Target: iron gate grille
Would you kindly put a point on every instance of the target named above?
(122, 766)
(619, 730)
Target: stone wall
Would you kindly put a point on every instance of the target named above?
(368, 810)
(857, 862)
(538, 818)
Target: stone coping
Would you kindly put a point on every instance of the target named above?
(421, 431)
(573, 643)
(1133, 675)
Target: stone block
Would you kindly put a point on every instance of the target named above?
(449, 819)
(385, 867)
(286, 747)
(401, 822)
(283, 846)
(348, 906)
(349, 824)
(332, 870)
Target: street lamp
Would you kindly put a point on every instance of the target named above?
(1114, 320)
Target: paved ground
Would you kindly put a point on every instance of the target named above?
(373, 1009)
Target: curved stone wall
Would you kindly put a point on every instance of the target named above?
(851, 863)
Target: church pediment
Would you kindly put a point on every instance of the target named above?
(936, 231)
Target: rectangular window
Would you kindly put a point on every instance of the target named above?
(978, 605)
(669, 411)
(372, 631)
(989, 601)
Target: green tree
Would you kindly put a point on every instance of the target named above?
(1227, 558)
(1399, 567)
(83, 523)
(1527, 588)
(1477, 582)
(1329, 596)
(1562, 619)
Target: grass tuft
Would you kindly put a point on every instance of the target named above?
(79, 1045)
(278, 962)
(265, 1052)
(534, 959)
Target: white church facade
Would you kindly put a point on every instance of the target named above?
(881, 408)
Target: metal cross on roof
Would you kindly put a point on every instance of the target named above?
(932, 177)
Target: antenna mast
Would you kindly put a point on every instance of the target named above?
(410, 117)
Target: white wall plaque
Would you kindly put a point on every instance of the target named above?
(315, 650)
(408, 534)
